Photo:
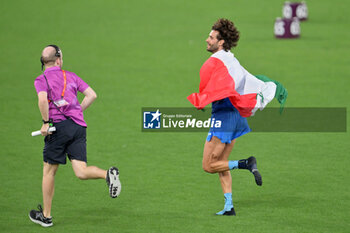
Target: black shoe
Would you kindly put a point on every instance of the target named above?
(251, 166)
(113, 182)
(38, 217)
(227, 213)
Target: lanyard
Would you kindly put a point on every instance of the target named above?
(64, 83)
(49, 93)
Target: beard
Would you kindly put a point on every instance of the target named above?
(213, 48)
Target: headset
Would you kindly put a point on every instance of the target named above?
(49, 93)
(57, 54)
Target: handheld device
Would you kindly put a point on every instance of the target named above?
(37, 133)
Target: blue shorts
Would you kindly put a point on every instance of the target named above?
(233, 125)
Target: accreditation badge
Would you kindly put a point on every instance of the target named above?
(60, 103)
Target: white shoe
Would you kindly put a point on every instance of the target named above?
(113, 182)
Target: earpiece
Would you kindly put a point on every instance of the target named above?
(57, 54)
(58, 51)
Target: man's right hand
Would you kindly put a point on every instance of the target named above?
(45, 130)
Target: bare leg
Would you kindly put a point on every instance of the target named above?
(212, 156)
(84, 172)
(215, 160)
(48, 186)
(225, 176)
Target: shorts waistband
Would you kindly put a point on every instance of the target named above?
(62, 122)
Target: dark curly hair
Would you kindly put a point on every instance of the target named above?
(227, 32)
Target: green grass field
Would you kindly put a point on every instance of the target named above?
(148, 53)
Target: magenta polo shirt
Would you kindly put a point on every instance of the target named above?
(74, 84)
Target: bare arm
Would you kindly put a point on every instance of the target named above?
(90, 96)
(44, 110)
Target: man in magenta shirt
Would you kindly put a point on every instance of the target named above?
(59, 106)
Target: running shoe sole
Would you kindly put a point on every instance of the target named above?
(114, 182)
(252, 167)
(257, 177)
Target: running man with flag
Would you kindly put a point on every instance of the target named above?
(235, 94)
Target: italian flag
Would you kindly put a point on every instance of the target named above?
(222, 76)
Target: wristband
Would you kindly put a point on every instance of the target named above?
(47, 122)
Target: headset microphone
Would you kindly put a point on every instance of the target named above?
(57, 54)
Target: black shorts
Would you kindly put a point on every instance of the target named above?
(68, 139)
